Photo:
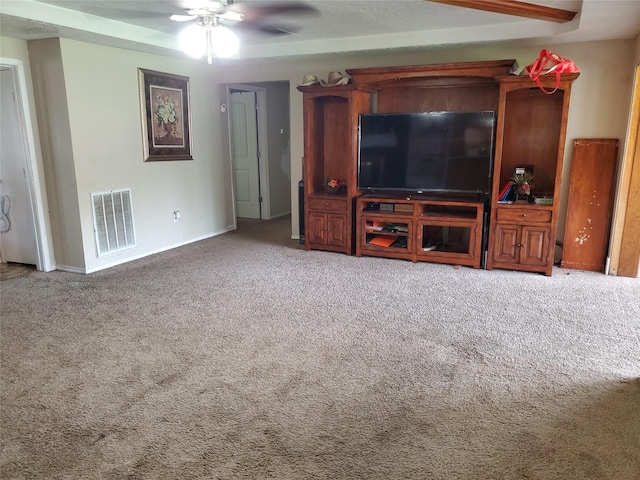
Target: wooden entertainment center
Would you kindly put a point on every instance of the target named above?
(530, 130)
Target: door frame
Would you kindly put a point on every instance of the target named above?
(37, 190)
(624, 242)
(263, 158)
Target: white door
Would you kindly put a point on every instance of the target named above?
(19, 243)
(244, 152)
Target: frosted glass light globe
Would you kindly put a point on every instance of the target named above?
(224, 42)
(193, 41)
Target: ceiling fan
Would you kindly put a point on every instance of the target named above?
(210, 33)
(515, 7)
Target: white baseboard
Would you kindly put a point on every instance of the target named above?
(278, 215)
(66, 268)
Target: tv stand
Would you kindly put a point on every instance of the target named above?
(442, 230)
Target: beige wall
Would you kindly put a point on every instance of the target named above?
(279, 154)
(60, 172)
(104, 111)
(104, 134)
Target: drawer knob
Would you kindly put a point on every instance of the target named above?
(524, 214)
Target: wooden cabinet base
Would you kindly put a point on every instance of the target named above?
(522, 239)
(327, 224)
(435, 230)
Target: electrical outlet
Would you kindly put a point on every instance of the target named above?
(176, 216)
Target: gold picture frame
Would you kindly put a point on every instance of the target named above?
(166, 116)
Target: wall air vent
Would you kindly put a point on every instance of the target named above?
(113, 221)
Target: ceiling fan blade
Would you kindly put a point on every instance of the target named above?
(182, 18)
(515, 7)
(269, 29)
(231, 17)
(254, 12)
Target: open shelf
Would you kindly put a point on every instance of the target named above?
(386, 234)
(330, 154)
(446, 238)
(457, 211)
(444, 230)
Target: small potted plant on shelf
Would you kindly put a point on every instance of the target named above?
(522, 182)
(334, 185)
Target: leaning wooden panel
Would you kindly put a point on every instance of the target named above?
(590, 204)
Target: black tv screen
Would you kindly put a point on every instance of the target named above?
(426, 152)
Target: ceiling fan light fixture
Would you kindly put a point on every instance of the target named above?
(224, 42)
(193, 41)
(210, 38)
(210, 34)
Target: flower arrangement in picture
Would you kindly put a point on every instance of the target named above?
(333, 185)
(523, 184)
(166, 113)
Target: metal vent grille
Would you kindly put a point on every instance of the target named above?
(113, 221)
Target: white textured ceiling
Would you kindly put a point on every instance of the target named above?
(342, 26)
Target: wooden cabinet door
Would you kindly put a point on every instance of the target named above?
(504, 248)
(317, 228)
(337, 230)
(522, 244)
(534, 245)
(327, 229)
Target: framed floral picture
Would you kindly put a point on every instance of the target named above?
(166, 119)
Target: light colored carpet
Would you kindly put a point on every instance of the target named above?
(12, 270)
(245, 357)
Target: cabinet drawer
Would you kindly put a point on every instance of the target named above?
(522, 215)
(328, 204)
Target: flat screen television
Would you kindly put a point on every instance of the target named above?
(427, 152)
